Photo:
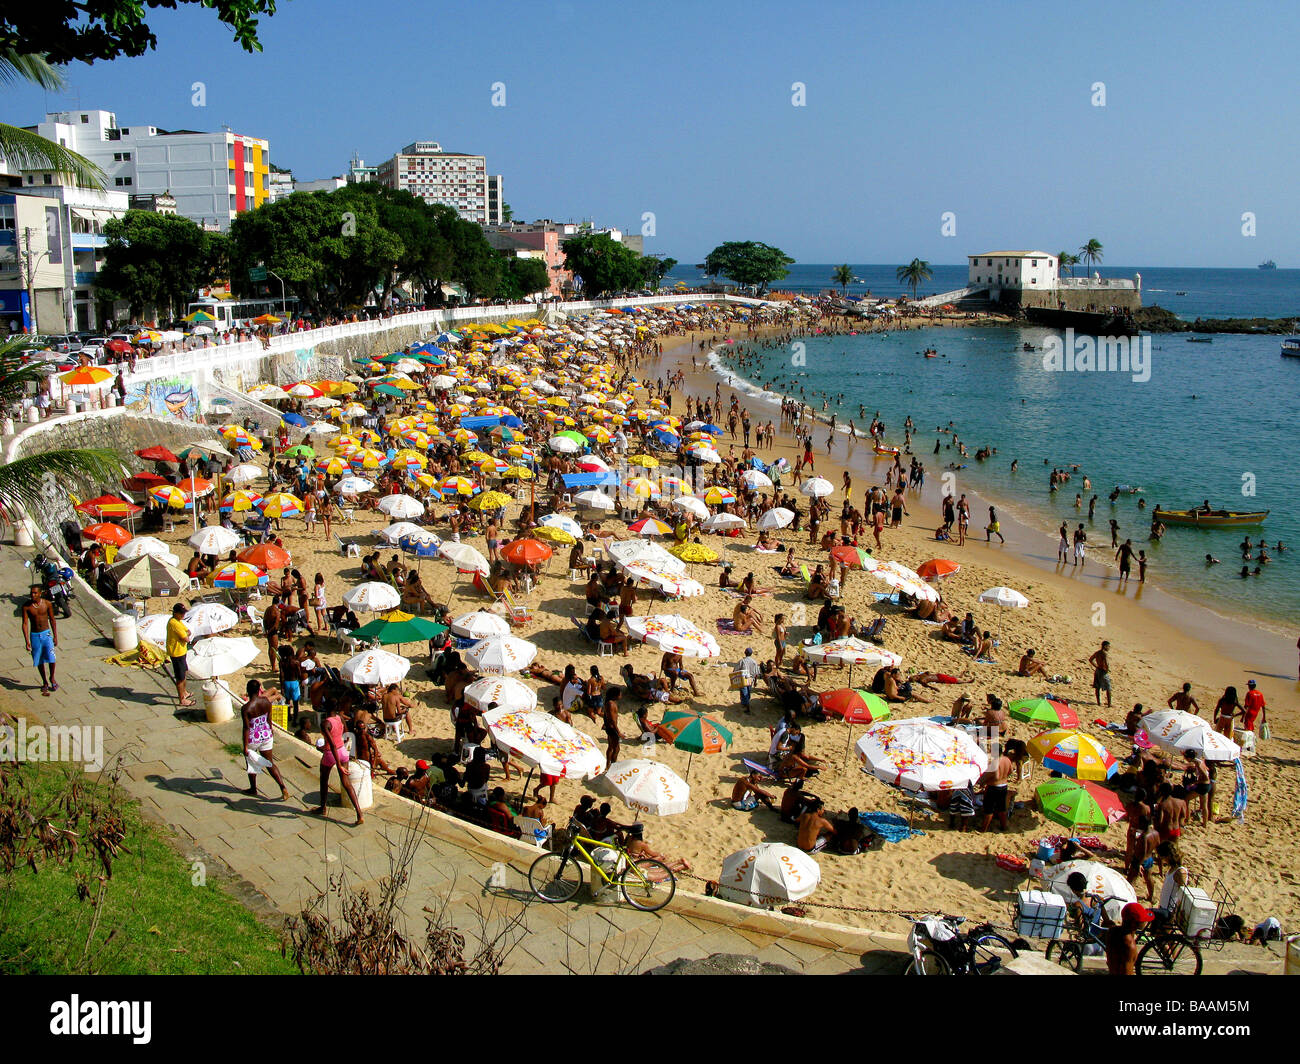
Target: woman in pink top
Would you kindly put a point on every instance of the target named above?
(335, 754)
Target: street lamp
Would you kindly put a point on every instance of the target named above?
(283, 302)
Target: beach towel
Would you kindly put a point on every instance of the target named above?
(741, 594)
(726, 627)
(784, 576)
(889, 826)
(807, 576)
(884, 596)
(144, 656)
(1239, 797)
(763, 550)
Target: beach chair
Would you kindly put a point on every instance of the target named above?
(347, 549)
(873, 632)
(531, 830)
(395, 730)
(605, 650)
(807, 576)
(518, 614)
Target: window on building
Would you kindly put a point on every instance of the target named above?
(48, 178)
(7, 222)
(85, 119)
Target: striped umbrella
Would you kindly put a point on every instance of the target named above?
(170, 495)
(1073, 754)
(240, 499)
(239, 575)
(366, 458)
(281, 504)
(409, 460)
(650, 526)
(332, 466)
(716, 496)
(458, 486)
(696, 734)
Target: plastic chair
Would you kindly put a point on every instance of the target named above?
(532, 830)
(395, 730)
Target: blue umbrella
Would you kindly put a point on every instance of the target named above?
(420, 548)
(295, 419)
(512, 421)
(668, 439)
(711, 429)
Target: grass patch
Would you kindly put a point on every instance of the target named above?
(160, 914)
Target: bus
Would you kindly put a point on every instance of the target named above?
(237, 313)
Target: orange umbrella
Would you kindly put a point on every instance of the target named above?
(195, 486)
(107, 532)
(526, 552)
(86, 375)
(265, 556)
(936, 568)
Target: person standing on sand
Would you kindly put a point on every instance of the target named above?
(1100, 662)
(997, 783)
(994, 527)
(1183, 701)
(1080, 540)
(1063, 545)
(1125, 557)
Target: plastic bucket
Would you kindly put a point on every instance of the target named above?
(217, 706)
(125, 636)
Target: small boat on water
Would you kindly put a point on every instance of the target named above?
(1291, 347)
(1200, 339)
(1180, 293)
(886, 452)
(1268, 264)
(1211, 518)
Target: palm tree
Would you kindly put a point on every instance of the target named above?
(1091, 252)
(25, 149)
(1066, 261)
(915, 273)
(23, 483)
(842, 276)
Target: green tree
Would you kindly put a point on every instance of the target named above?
(654, 268)
(87, 30)
(748, 262)
(157, 260)
(474, 262)
(507, 213)
(425, 253)
(1091, 252)
(25, 149)
(842, 276)
(23, 483)
(521, 278)
(914, 274)
(604, 264)
(1066, 261)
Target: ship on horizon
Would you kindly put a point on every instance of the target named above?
(1267, 264)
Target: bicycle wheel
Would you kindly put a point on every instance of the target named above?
(647, 884)
(1170, 955)
(555, 876)
(929, 963)
(989, 952)
(1066, 953)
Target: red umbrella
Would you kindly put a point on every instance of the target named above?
(157, 453)
(265, 556)
(107, 532)
(108, 506)
(143, 482)
(526, 552)
(856, 557)
(935, 568)
(856, 707)
(118, 345)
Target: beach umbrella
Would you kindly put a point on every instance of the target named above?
(777, 517)
(755, 480)
(299, 450)
(716, 496)
(304, 390)
(594, 500)
(402, 507)
(106, 532)
(465, 557)
(646, 786)
(1073, 754)
(244, 474)
(592, 463)
(373, 597)
(855, 706)
(854, 557)
(690, 504)
(458, 486)
(723, 523)
(238, 575)
(85, 375)
(554, 535)
(650, 526)
(563, 445)
(157, 453)
(353, 486)
(1080, 806)
(817, 487)
(406, 530)
(1103, 882)
(296, 420)
(851, 651)
(479, 625)
(695, 553)
(238, 500)
(918, 754)
(147, 545)
(149, 575)
(937, 568)
(265, 556)
(670, 583)
(490, 500)
(675, 634)
(332, 465)
(1007, 597)
(507, 692)
(545, 743)
(136, 482)
(696, 733)
(110, 506)
(562, 522)
(154, 627)
(399, 627)
(367, 458)
(215, 540)
(526, 552)
(767, 875)
(281, 504)
(210, 618)
(501, 654)
(1176, 731)
(375, 666)
(170, 495)
(646, 461)
(220, 656)
(642, 488)
(1045, 712)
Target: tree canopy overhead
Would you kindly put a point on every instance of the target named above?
(748, 262)
(604, 264)
(84, 31)
(158, 260)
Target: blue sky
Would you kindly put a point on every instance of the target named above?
(685, 110)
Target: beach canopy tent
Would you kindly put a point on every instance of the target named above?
(600, 478)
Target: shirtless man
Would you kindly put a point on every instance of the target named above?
(670, 667)
(1100, 662)
(997, 783)
(747, 786)
(636, 847)
(1170, 813)
(1143, 839)
(1121, 941)
(41, 635)
(259, 738)
(1029, 667)
(814, 829)
(1183, 701)
(396, 707)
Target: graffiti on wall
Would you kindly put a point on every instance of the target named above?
(172, 397)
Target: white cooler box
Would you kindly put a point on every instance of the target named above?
(1039, 914)
(1196, 911)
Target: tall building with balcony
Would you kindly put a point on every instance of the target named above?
(453, 179)
(213, 176)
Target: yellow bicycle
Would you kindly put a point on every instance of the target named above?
(645, 883)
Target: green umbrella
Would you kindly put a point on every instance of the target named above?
(388, 389)
(696, 733)
(1045, 712)
(1079, 804)
(399, 627)
(299, 450)
(150, 576)
(576, 437)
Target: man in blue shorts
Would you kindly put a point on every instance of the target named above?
(41, 634)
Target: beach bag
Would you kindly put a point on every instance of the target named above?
(1265, 732)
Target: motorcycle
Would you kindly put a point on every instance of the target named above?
(58, 584)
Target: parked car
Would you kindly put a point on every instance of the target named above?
(66, 344)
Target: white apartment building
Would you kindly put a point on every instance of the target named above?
(1019, 270)
(453, 179)
(213, 176)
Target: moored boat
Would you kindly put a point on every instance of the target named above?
(1211, 518)
(1291, 347)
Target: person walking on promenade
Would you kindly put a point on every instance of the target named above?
(41, 635)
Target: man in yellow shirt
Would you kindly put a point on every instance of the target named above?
(178, 645)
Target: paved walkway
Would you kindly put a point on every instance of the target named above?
(186, 774)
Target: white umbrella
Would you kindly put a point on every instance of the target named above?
(1103, 881)
(507, 692)
(546, 743)
(465, 557)
(753, 478)
(817, 487)
(204, 330)
(560, 521)
(768, 874)
(442, 382)
(375, 666)
(302, 389)
(723, 522)
(563, 445)
(917, 588)
(595, 460)
(244, 474)
(400, 530)
(647, 787)
(373, 597)
(354, 486)
(206, 447)
(777, 517)
(213, 539)
(323, 402)
(479, 625)
(851, 651)
(595, 500)
(501, 654)
(220, 656)
(1176, 731)
(642, 550)
(670, 632)
(1004, 596)
(707, 454)
(263, 392)
(154, 627)
(691, 504)
(210, 618)
(917, 754)
(321, 428)
(148, 545)
(401, 506)
(668, 582)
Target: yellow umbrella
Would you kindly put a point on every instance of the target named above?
(408, 457)
(647, 460)
(642, 486)
(476, 457)
(555, 535)
(282, 504)
(694, 552)
(518, 473)
(490, 500)
(425, 480)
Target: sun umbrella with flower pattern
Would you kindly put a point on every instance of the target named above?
(918, 754)
(675, 634)
(545, 743)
